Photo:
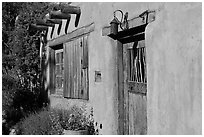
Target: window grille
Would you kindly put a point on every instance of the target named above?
(137, 64)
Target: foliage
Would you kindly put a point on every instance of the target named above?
(54, 121)
(76, 119)
(18, 101)
(8, 112)
(22, 87)
(21, 84)
(41, 123)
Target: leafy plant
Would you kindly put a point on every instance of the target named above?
(75, 118)
(42, 123)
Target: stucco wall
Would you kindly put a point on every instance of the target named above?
(174, 70)
(102, 57)
(173, 43)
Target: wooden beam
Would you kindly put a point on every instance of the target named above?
(44, 23)
(55, 21)
(134, 22)
(73, 10)
(59, 15)
(74, 34)
(37, 27)
(131, 31)
(137, 37)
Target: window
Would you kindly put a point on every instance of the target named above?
(69, 69)
(59, 72)
(137, 63)
(76, 71)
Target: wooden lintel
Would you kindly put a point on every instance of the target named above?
(37, 27)
(134, 22)
(128, 32)
(71, 9)
(59, 15)
(44, 23)
(137, 37)
(55, 21)
(68, 37)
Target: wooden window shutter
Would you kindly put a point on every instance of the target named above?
(52, 71)
(76, 69)
(84, 68)
(85, 52)
(67, 67)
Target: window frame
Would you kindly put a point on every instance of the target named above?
(60, 63)
(54, 50)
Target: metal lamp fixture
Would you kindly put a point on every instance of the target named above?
(115, 22)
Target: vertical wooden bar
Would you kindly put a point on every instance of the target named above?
(131, 115)
(135, 66)
(71, 70)
(74, 69)
(130, 53)
(85, 66)
(86, 89)
(120, 88)
(52, 71)
(85, 52)
(77, 70)
(81, 72)
(141, 79)
(64, 75)
(87, 83)
(145, 67)
(127, 69)
(83, 84)
(132, 66)
(69, 66)
(66, 71)
(138, 66)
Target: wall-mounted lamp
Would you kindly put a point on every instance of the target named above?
(115, 22)
(114, 26)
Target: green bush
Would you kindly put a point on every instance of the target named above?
(42, 123)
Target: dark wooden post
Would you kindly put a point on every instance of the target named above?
(120, 88)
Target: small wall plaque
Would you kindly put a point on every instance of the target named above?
(97, 76)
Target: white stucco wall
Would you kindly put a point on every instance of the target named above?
(174, 70)
(174, 65)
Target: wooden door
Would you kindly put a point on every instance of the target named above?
(135, 88)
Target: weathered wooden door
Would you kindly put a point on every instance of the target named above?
(135, 88)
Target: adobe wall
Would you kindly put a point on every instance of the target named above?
(174, 70)
(103, 95)
(173, 43)
(102, 57)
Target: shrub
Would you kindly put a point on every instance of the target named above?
(54, 121)
(10, 115)
(18, 101)
(42, 123)
(75, 118)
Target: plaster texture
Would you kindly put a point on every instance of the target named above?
(173, 45)
(174, 70)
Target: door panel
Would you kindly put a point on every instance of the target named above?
(137, 114)
(135, 88)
